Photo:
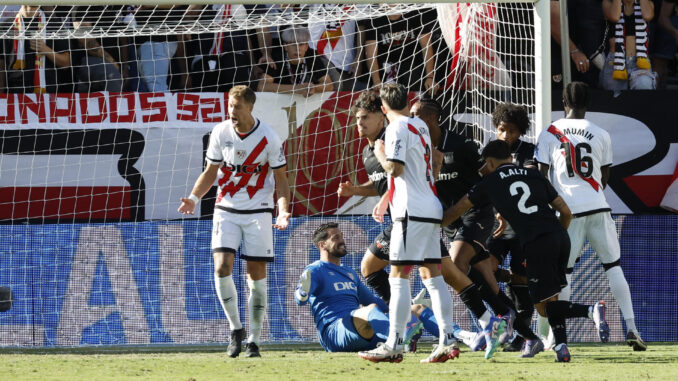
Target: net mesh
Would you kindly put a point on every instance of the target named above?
(105, 115)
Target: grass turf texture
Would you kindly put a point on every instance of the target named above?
(308, 362)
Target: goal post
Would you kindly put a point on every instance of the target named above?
(91, 176)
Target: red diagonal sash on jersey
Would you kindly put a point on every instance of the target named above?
(563, 139)
(232, 188)
(427, 157)
(331, 36)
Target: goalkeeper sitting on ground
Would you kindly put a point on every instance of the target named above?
(336, 294)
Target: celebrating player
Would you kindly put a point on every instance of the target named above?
(578, 154)
(406, 156)
(245, 155)
(523, 197)
(370, 124)
(336, 294)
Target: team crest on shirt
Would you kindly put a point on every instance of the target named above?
(350, 276)
(240, 153)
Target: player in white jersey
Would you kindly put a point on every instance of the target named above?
(405, 155)
(247, 159)
(577, 155)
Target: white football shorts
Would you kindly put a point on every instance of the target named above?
(414, 243)
(254, 230)
(600, 230)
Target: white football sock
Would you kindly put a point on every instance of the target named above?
(228, 297)
(398, 311)
(442, 307)
(256, 308)
(566, 292)
(467, 337)
(543, 327)
(621, 292)
(485, 319)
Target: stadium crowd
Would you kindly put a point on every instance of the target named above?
(344, 55)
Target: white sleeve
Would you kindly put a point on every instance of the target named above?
(275, 151)
(542, 151)
(606, 157)
(214, 154)
(395, 140)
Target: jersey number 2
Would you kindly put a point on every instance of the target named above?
(520, 187)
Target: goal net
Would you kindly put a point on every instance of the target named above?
(105, 115)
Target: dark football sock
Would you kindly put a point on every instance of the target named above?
(520, 296)
(559, 329)
(472, 300)
(487, 294)
(565, 310)
(378, 280)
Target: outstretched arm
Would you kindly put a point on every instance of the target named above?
(303, 290)
(348, 189)
(202, 185)
(456, 211)
(366, 297)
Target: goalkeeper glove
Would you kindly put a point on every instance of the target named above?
(304, 286)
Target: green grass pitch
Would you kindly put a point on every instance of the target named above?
(615, 362)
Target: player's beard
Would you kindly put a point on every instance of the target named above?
(339, 251)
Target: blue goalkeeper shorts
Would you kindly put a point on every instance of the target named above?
(341, 335)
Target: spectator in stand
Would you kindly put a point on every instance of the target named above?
(38, 65)
(299, 70)
(335, 42)
(664, 40)
(155, 52)
(397, 47)
(627, 65)
(223, 59)
(586, 41)
(100, 63)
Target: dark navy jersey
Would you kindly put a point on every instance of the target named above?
(523, 154)
(374, 170)
(522, 196)
(459, 172)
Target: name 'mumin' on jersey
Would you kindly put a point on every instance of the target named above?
(335, 292)
(247, 162)
(413, 193)
(576, 149)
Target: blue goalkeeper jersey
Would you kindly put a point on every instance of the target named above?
(335, 292)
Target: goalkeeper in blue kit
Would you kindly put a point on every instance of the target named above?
(348, 316)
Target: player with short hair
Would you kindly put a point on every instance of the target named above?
(406, 156)
(348, 316)
(247, 158)
(370, 121)
(511, 122)
(370, 125)
(524, 197)
(577, 154)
